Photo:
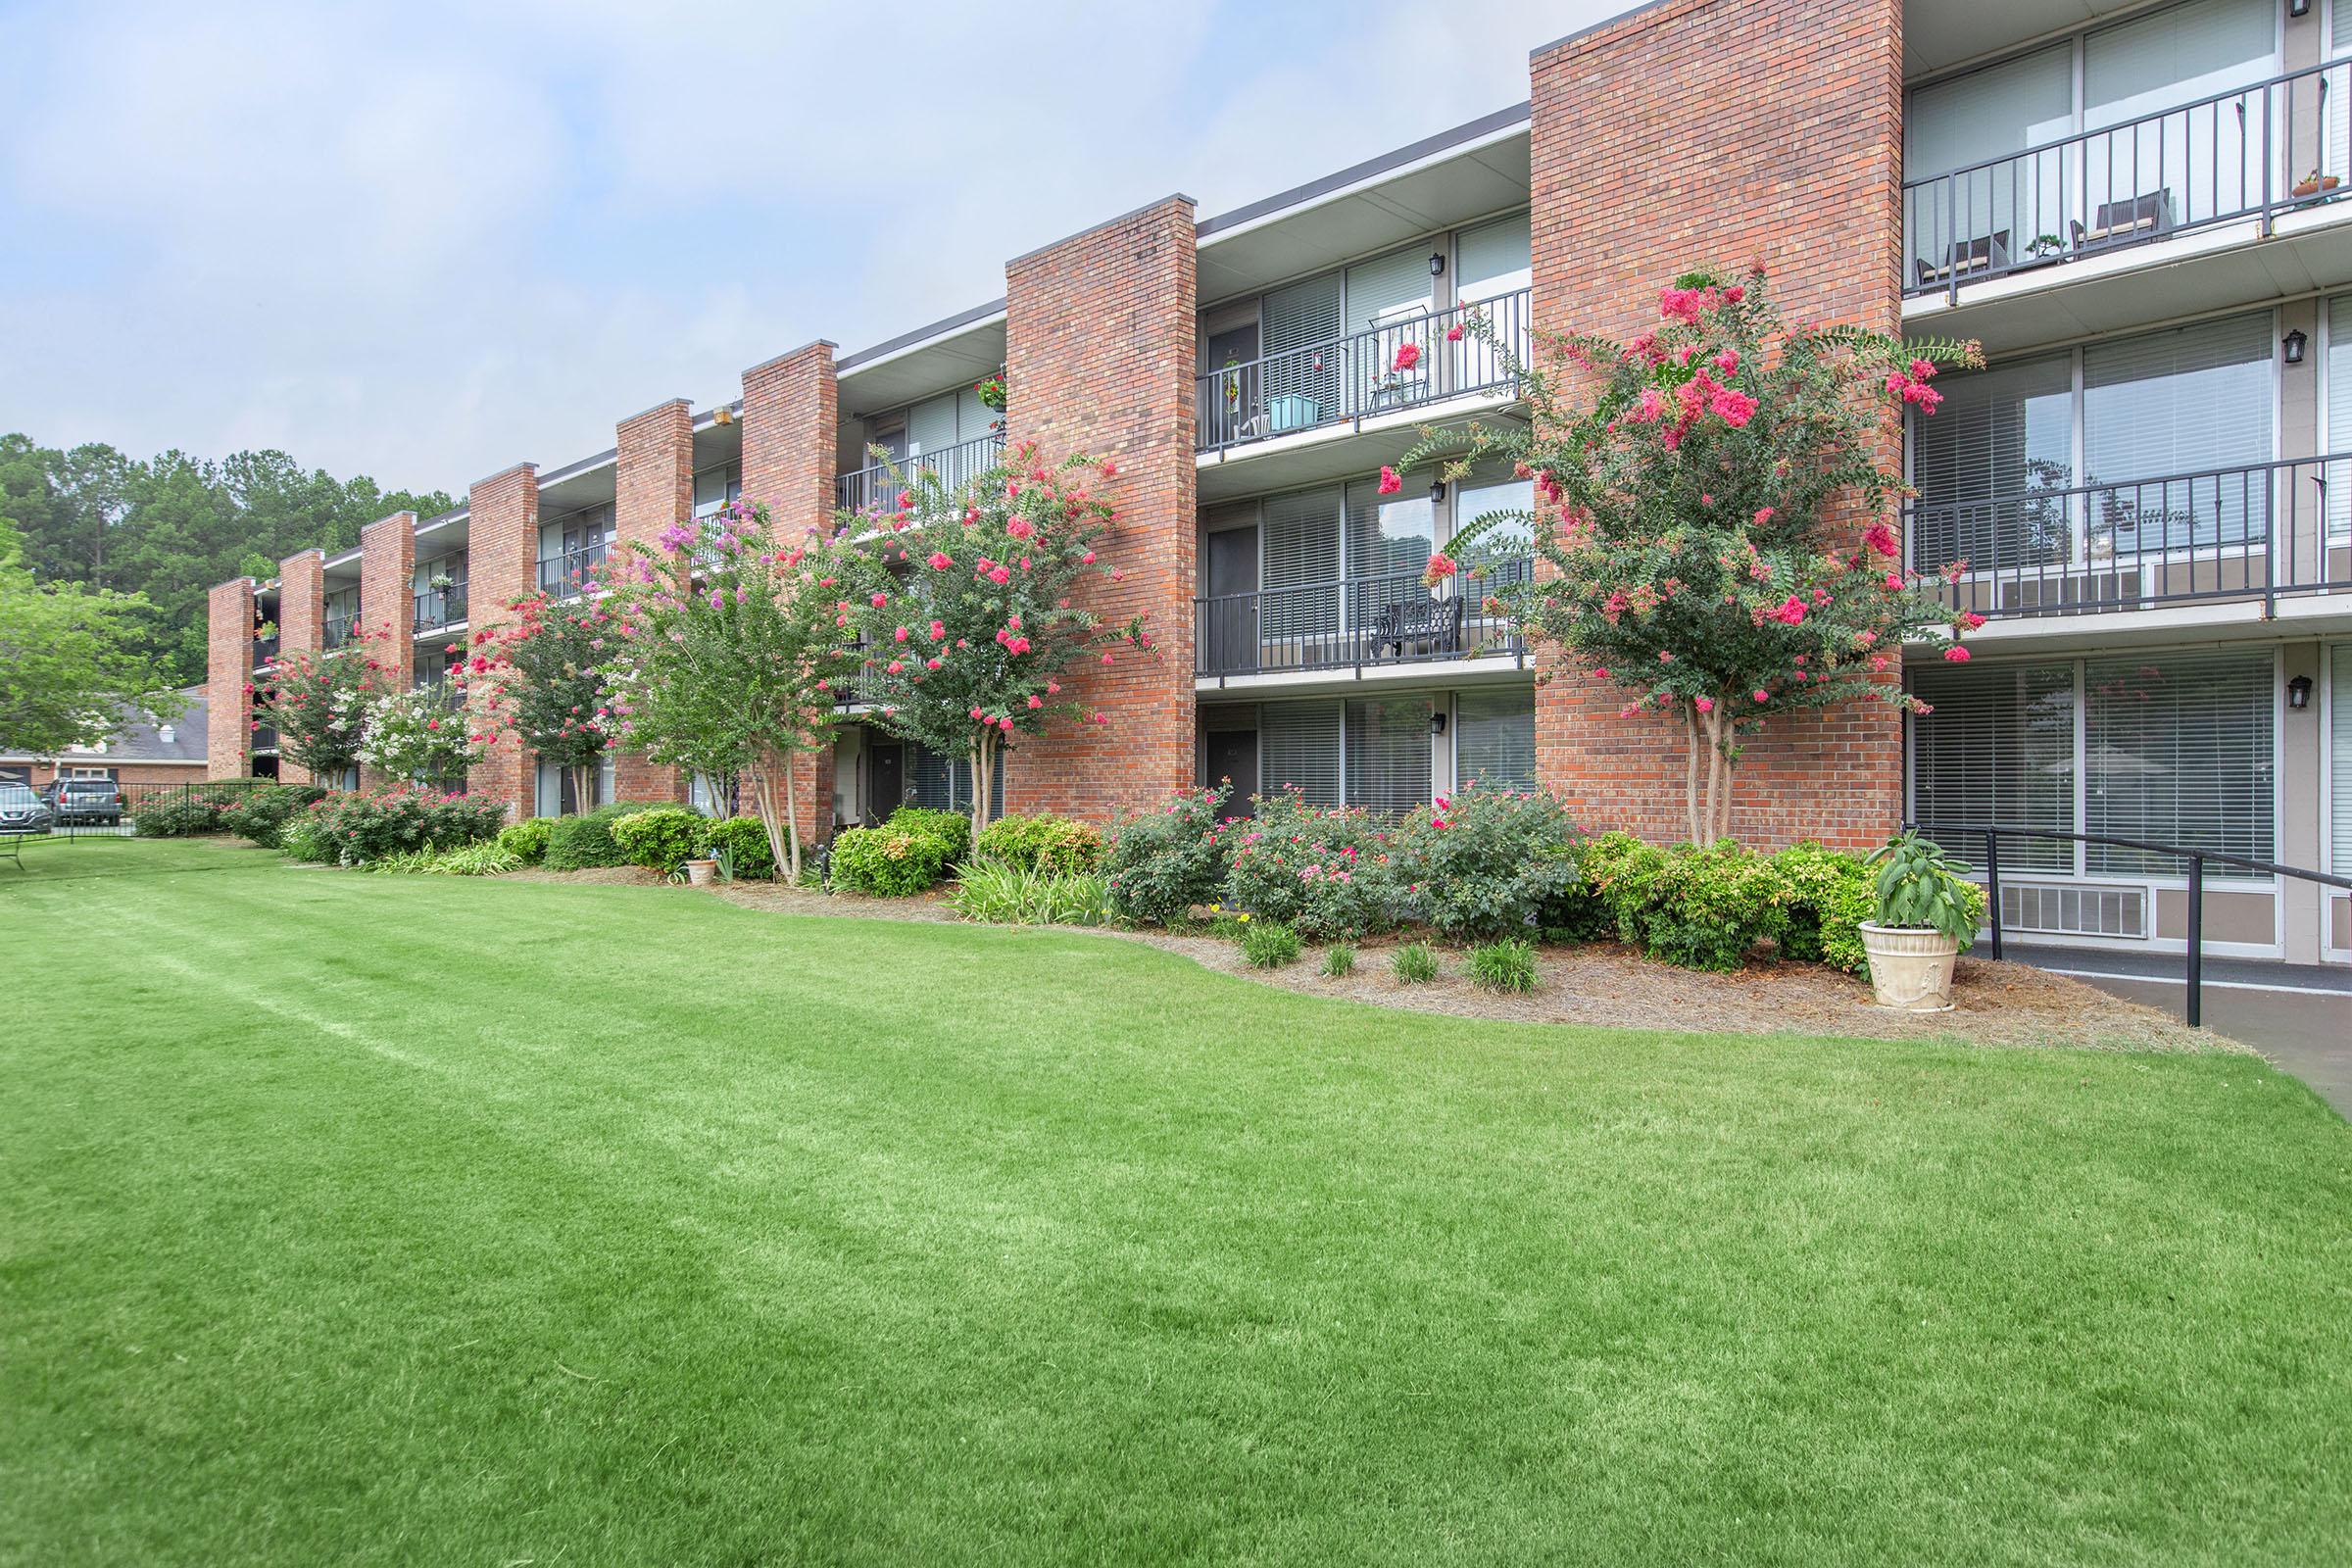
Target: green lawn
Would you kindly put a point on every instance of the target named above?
(421, 1220)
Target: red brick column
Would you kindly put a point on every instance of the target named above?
(502, 564)
(791, 424)
(653, 489)
(301, 624)
(229, 680)
(1098, 358)
(387, 582)
(1695, 131)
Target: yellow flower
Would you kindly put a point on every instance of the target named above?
(1244, 918)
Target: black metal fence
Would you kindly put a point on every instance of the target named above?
(2256, 531)
(2252, 153)
(1949, 834)
(104, 808)
(878, 489)
(1404, 364)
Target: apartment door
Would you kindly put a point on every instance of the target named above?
(1234, 396)
(1229, 639)
(1232, 753)
(885, 778)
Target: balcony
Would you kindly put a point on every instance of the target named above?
(437, 608)
(341, 629)
(1354, 624)
(264, 651)
(2260, 532)
(1349, 379)
(2254, 153)
(873, 489)
(563, 576)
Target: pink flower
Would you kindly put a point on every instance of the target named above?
(900, 635)
(895, 667)
(1956, 654)
(1881, 538)
(1409, 355)
(1761, 695)
(931, 664)
(1453, 333)
(675, 538)
(1894, 583)
(1734, 294)
(939, 631)
(880, 599)
(1036, 700)
(1733, 409)
(1020, 527)
(1728, 362)
(1792, 612)
(939, 561)
(1705, 704)
(975, 713)
(1389, 484)
(1440, 567)
(1000, 575)
(1088, 558)
(1599, 673)
(1005, 723)
(1922, 370)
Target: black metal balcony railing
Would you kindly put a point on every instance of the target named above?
(1358, 376)
(2253, 152)
(2259, 531)
(437, 608)
(341, 629)
(564, 575)
(264, 651)
(873, 488)
(1389, 619)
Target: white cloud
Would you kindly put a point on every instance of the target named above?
(425, 242)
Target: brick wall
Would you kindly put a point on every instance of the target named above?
(502, 564)
(1098, 358)
(228, 679)
(387, 584)
(791, 436)
(1722, 131)
(300, 623)
(652, 488)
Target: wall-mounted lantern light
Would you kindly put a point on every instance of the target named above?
(2294, 343)
(1436, 493)
(1437, 723)
(1436, 263)
(2299, 692)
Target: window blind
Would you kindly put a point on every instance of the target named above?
(1474, 499)
(2177, 749)
(1998, 747)
(931, 425)
(2190, 401)
(2000, 434)
(1388, 748)
(2339, 759)
(1299, 744)
(1492, 258)
(1495, 738)
(940, 783)
(1298, 546)
(2339, 440)
(2177, 55)
(1302, 321)
(1990, 114)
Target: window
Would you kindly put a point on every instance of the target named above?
(945, 784)
(1299, 744)
(1998, 747)
(717, 487)
(2002, 435)
(2171, 748)
(1495, 738)
(1300, 575)
(2339, 760)
(2338, 391)
(1388, 745)
(553, 794)
(2178, 750)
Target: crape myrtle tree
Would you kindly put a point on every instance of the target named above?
(728, 649)
(538, 677)
(319, 702)
(1719, 519)
(415, 735)
(968, 645)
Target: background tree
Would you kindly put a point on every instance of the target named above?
(72, 668)
(1720, 522)
(968, 647)
(730, 648)
(538, 676)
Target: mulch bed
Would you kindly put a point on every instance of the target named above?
(1606, 985)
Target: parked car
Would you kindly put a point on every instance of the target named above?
(93, 802)
(22, 810)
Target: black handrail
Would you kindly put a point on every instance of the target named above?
(564, 575)
(1342, 622)
(2197, 859)
(2051, 195)
(874, 486)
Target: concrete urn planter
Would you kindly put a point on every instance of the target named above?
(1910, 967)
(702, 872)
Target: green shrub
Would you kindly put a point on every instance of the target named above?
(745, 839)
(353, 827)
(1830, 896)
(1616, 872)
(952, 830)
(1010, 895)
(662, 838)
(526, 840)
(1703, 908)
(1507, 965)
(1339, 961)
(1158, 866)
(888, 862)
(259, 814)
(1040, 844)
(1492, 863)
(184, 813)
(1328, 871)
(1415, 963)
(1269, 944)
(577, 843)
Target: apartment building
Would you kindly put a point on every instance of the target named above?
(2142, 210)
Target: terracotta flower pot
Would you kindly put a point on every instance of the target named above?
(700, 873)
(1910, 968)
(2313, 187)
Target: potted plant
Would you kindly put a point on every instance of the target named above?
(1926, 911)
(701, 873)
(441, 582)
(2044, 248)
(992, 391)
(2314, 184)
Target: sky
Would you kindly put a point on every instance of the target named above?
(425, 242)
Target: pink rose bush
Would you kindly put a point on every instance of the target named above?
(1719, 510)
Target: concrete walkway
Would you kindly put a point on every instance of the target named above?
(2299, 1015)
